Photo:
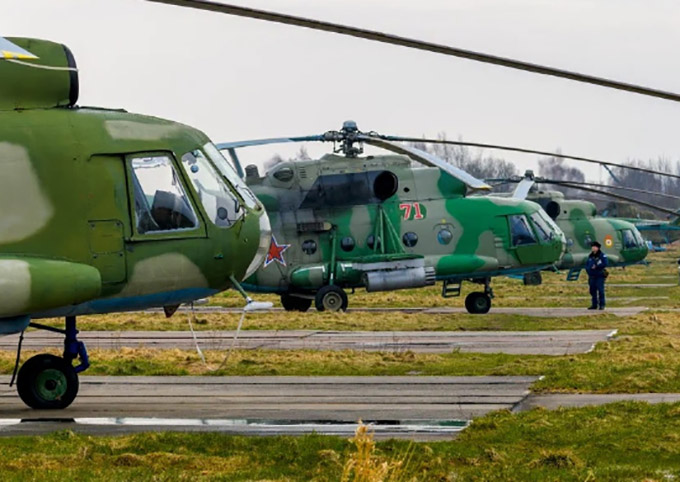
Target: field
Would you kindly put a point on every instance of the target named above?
(628, 441)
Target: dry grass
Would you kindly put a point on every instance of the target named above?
(364, 465)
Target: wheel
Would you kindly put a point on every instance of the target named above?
(478, 303)
(47, 382)
(533, 279)
(295, 303)
(330, 298)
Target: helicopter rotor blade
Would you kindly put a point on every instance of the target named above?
(529, 151)
(623, 188)
(426, 159)
(523, 187)
(261, 142)
(613, 195)
(540, 180)
(213, 6)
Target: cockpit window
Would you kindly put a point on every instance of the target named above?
(639, 238)
(227, 170)
(521, 231)
(160, 201)
(629, 240)
(545, 232)
(221, 205)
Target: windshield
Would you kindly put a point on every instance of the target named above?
(521, 231)
(545, 232)
(220, 204)
(629, 240)
(227, 170)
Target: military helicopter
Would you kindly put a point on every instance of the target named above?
(105, 211)
(348, 221)
(581, 225)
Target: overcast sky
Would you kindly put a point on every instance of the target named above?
(239, 78)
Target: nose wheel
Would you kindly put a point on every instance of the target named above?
(50, 382)
(47, 382)
(478, 303)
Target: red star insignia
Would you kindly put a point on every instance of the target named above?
(276, 253)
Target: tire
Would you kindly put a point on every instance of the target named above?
(47, 382)
(478, 303)
(331, 298)
(295, 303)
(533, 279)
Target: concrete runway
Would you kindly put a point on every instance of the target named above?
(413, 407)
(418, 408)
(513, 342)
(562, 312)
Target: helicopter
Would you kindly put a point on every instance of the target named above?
(105, 211)
(175, 253)
(581, 225)
(346, 221)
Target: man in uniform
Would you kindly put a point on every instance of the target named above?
(596, 267)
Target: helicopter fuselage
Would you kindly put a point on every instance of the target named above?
(75, 183)
(375, 221)
(620, 239)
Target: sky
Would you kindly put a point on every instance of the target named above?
(239, 78)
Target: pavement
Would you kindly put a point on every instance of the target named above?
(563, 342)
(401, 406)
(571, 400)
(562, 312)
(413, 407)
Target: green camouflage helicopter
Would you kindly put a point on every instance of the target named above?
(348, 221)
(581, 225)
(87, 228)
(105, 211)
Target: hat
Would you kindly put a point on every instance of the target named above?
(595, 243)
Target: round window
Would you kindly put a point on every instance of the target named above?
(309, 247)
(370, 242)
(444, 236)
(347, 243)
(410, 239)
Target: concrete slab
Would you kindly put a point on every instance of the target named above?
(513, 342)
(270, 405)
(569, 400)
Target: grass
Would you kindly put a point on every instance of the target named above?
(555, 291)
(625, 441)
(645, 357)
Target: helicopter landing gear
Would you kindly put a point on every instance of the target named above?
(295, 303)
(479, 303)
(51, 382)
(331, 298)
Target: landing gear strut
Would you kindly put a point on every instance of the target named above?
(479, 303)
(51, 382)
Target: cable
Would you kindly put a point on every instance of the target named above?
(192, 317)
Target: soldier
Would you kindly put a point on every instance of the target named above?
(596, 267)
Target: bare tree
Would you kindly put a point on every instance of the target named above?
(478, 163)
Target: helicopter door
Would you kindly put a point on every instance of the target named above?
(107, 210)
